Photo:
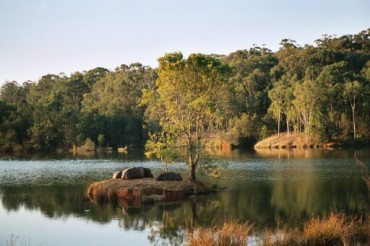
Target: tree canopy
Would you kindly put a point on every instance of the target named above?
(322, 90)
(187, 92)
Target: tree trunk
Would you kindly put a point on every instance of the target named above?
(192, 177)
(353, 120)
(279, 124)
(287, 125)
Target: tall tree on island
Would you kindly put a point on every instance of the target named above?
(186, 95)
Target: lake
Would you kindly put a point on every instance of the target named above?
(43, 197)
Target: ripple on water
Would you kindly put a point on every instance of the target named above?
(48, 172)
(61, 171)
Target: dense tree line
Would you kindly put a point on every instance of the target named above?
(61, 111)
(322, 90)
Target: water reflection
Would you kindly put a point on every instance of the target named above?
(265, 191)
(312, 153)
(266, 205)
(135, 154)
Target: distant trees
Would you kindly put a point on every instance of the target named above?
(45, 104)
(15, 115)
(112, 107)
(248, 86)
(322, 90)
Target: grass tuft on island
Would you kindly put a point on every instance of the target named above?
(292, 141)
(144, 190)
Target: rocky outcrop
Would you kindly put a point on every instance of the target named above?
(169, 176)
(133, 173)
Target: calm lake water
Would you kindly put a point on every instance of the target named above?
(42, 197)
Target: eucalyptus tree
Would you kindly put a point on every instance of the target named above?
(248, 102)
(278, 97)
(10, 92)
(92, 76)
(250, 79)
(72, 90)
(352, 92)
(307, 96)
(186, 95)
(46, 100)
(112, 107)
(20, 119)
(8, 136)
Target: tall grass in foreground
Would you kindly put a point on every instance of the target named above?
(230, 233)
(332, 230)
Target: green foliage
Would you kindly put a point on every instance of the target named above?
(162, 146)
(244, 127)
(88, 145)
(322, 90)
(187, 92)
(101, 140)
(112, 107)
(211, 167)
(47, 102)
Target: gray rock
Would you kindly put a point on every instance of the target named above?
(148, 173)
(136, 173)
(169, 176)
(117, 175)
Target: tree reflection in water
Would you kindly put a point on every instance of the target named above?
(264, 206)
(284, 192)
(166, 221)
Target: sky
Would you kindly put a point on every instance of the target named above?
(39, 37)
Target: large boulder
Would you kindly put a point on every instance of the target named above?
(147, 173)
(169, 176)
(117, 175)
(134, 173)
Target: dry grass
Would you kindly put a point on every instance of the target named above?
(336, 230)
(229, 233)
(327, 231)
(292, 141)
(332, 230)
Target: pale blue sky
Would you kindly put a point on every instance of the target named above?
(38, 37)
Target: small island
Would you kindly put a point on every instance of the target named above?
(140, 186)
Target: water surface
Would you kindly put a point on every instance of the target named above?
(42, 197)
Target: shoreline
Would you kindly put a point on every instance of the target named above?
(301, 141)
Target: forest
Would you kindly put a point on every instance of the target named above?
(322, 90)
